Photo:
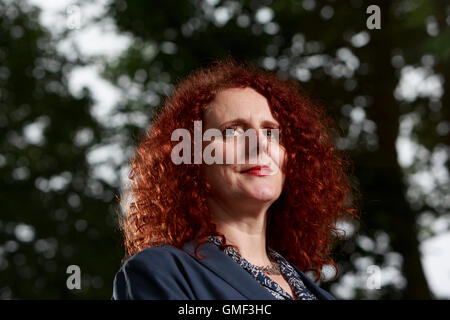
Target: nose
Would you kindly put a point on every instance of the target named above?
(258, 149)
(263, 145)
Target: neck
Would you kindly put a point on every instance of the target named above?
(244, 228)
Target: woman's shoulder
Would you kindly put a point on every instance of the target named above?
(152, 273)
(156, 256)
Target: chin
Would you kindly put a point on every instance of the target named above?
(264, 194)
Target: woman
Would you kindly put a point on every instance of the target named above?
(245, 228)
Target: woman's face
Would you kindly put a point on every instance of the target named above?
(254, 172)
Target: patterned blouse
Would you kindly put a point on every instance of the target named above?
(289, 273)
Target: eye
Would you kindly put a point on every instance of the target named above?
(272, 133)
(232, 131)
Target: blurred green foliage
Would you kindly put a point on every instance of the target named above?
(53, 213)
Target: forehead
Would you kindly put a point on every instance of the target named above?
(234, 103)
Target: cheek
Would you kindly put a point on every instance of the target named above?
(234, 151)
(278, 155)
(212, 174)
(219, 176)
(220, 152)
(231, 151)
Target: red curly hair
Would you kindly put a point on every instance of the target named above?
(168, 201)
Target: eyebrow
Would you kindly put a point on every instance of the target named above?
(240, 121)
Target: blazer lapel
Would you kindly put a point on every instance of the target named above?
(314, 288)
(227, 269)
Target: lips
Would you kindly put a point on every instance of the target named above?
(258, 171)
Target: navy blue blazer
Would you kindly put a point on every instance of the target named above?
(168, 273)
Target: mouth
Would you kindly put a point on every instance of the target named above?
(258, 171)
